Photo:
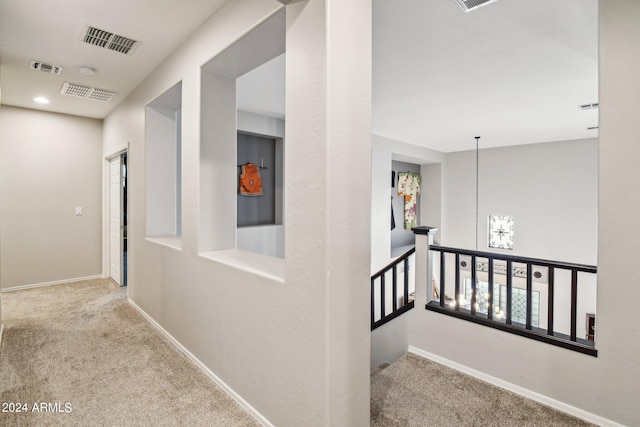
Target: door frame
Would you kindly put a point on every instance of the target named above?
(106, 213)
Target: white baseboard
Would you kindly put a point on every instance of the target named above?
(55, 282)
(235, 396)
(571, 410)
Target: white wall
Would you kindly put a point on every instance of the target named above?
(49, 165)
(265, 239)
(431, 207)
(1, 325)
(260, 124)
(401, 237)
(218, 163)
(262, 239)
(619, 209)
(163, 138)
(383, 152)
(390, 340)
(558, 184)
(606, 387)
(550, 189)
(293, 345)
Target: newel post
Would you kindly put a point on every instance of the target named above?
(424, 263)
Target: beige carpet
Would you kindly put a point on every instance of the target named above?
(92, 360)
(85, 353)
(417, 392)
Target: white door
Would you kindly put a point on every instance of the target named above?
(115, 246)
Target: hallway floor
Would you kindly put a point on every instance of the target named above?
(78, 354)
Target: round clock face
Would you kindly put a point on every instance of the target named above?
(501, 232)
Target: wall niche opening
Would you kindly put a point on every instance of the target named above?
(402, 239)
(163, 129)
(255, 210)
(242, 122)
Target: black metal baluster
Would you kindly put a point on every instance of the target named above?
(456, 295)
(442, 276)
(509, 290)
(529, 304)
(397, 306)
(574, 303)
(406, 281)
(394, 289)
(373, 301)
(474, 277)
(550, 302)
(490, 290)
(502, 316)
(382, 296)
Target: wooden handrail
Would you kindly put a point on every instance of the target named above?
(452, 307)
(514, 258)
(407, 303)
(394, 262)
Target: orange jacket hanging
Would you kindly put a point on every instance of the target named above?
(250, 180)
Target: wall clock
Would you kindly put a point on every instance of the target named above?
(501, 232)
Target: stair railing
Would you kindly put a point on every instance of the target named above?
(401, 300)
(480, 287)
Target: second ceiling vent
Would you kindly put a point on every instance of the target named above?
(47, 68)
(87, 92)
(109, 40)
(469, 5)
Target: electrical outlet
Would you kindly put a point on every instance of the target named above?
(79, 211)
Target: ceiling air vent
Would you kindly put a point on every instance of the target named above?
(108, 40)
(47, 68)
(588, 106)
(80, 91)
(469, 5)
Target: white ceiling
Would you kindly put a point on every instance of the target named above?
(50, 31)
(512, 72)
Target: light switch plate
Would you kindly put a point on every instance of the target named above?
(78, 211)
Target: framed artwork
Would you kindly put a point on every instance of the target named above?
(500, 232)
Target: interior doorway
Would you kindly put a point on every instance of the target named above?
(118, 219)
(125, 275)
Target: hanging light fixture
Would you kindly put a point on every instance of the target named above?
(477, 169)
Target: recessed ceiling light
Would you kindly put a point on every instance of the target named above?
(41, 100)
